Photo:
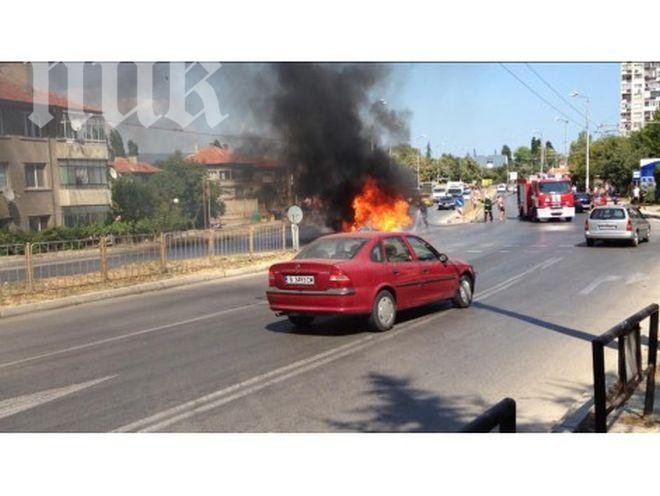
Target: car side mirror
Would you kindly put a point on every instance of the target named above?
(443, 258)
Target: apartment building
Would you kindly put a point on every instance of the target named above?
(52, 175)
(640, 94)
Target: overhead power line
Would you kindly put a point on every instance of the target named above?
(540, 97)
(563, 98)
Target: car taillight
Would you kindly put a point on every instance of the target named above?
(338, 279)
(586, 225)
(271, 277)
(629, 226)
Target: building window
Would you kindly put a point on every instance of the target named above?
(92, 130)
(35, 176)
(31, 130)
(225, 174)
(85, 214)
(3, 174)
(83, 173)
(38, 222)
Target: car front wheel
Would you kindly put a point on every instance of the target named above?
(463, 297)
(383, 312)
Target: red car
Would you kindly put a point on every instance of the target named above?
(366, 273)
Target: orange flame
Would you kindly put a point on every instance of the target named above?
(375, 209)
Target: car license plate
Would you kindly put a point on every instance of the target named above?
(299, 280)
(606, 227)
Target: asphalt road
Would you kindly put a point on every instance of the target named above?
(212, 357)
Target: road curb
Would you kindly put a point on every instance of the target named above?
(177, 281)
(576, 416)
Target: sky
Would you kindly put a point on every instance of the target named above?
(458, 107)
(468, 106)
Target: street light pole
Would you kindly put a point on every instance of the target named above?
(565, 121)
(586, 116)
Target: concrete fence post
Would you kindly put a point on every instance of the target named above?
(103, 249)
(211, 245)
(29, 268)
(251, 241)
(283, 235)
(163, 253)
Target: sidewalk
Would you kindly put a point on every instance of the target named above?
(652, 211)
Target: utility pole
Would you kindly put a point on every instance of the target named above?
(577, 94)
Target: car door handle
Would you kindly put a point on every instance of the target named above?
(396, 272)
(425, 271)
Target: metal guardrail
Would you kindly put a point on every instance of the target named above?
(68, 263)
(502, 414)
(630, 372)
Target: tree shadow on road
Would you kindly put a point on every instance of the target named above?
(401, 407)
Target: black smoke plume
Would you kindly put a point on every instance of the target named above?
(330, 134)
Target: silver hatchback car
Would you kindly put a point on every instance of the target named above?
(622, 222)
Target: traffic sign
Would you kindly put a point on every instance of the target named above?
(458, 201)
(294, 214)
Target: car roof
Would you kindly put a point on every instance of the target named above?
(367, 234)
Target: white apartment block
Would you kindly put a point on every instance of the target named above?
(640, 94)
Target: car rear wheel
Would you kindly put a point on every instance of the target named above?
(383, 312)
(463, 297)
(635, 239)
(590, 242)
(301, 320)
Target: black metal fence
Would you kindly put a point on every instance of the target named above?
(503, 414)
(630, 367)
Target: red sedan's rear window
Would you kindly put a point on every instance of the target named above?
(332, 249)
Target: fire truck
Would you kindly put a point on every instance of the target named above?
(541, 197)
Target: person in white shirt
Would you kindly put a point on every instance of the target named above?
(636, 193)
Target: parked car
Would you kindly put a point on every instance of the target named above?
(582, 201)
(437, 192)
(501, 188)
(467, 192)
(446, 202)
(616, 223)
(375, 274)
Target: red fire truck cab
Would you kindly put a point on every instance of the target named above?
(542, 198)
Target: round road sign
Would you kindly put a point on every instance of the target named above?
(294, 214)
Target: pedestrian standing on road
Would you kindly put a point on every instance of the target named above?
(500, 205)
(424, 213)
(636, 195)
(488, 209)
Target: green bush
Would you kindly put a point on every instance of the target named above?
(648, 195)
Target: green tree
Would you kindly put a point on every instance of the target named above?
(506, 151)
(132, 148)
(116, 144)
(184, 181)
(428, 151)
(132, 200)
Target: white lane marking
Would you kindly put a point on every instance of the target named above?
(12, 406)
(512, 280)
(129, 335)
(475, 251)
(165, 418)
(636, 277)
(597, 282)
